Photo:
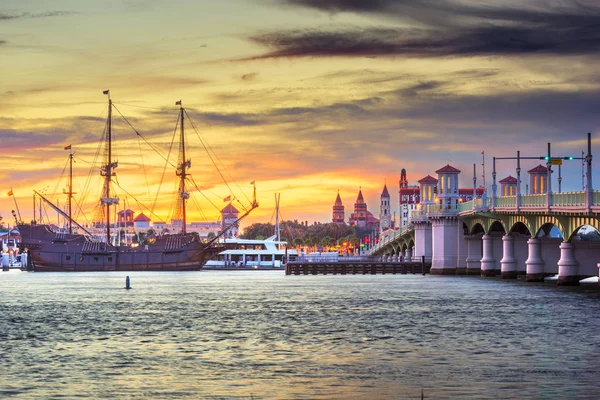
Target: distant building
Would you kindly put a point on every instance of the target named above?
(385, 214)
(338, 211)
(203, 229)
(125, 218)
(141, 222)
(362, 217)
(229, 216)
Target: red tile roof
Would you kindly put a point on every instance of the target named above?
(230, 209)
(448, 169)
(539, 169)
(141, 218)
(428, 179)
(509, 179)
(469, 191)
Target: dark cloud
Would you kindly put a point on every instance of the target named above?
(9, 16)
(468, 30)
(454, 12)
(250, 76)
(385, 42)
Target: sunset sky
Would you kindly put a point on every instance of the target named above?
(303, 96)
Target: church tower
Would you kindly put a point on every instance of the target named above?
(338, 211)
(385, 218)
(360, 210)
(403, 180)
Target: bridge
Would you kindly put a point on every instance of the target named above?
(534, 235)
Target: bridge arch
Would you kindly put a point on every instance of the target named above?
(521, 228)
(497, 226)
(576, 229)
(477, 229)
(546, 228)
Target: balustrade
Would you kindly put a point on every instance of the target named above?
(533, 200)
(568, 199)
(466, 206)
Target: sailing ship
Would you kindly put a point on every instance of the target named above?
(55, 249)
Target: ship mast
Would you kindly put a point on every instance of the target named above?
(108, 170)
(182, 168)
(70, 193)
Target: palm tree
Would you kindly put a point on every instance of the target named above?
(298, 242)
(326, 240)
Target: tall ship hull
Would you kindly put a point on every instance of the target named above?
(62, 252)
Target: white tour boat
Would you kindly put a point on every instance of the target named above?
(252, 254)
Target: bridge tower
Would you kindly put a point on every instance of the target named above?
(428, 190)
(338, 211)
(447, 234)
(509, 186)
(537, 180)
(385, 217)
(422, 225)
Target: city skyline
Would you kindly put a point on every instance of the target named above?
(304, 97)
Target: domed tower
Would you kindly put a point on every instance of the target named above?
(385, 217)
(360, 210)
(338, 211)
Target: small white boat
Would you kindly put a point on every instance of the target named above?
(252, 254)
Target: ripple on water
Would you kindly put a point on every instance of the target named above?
(263, 335)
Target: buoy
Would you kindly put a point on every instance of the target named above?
(127, 283)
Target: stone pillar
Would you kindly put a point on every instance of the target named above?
(568, 271)
(461, 259)
(473, 255)
(508, 263)
(488, 263)
(422, 241)
(408, 256)
(402, 255)
(445, 245)
(535, 264)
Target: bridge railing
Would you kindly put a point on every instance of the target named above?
(506, 202)
(568, 199)
(466, 206)
(533, 200)
(418, 214)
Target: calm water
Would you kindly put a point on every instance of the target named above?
(263, 335)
